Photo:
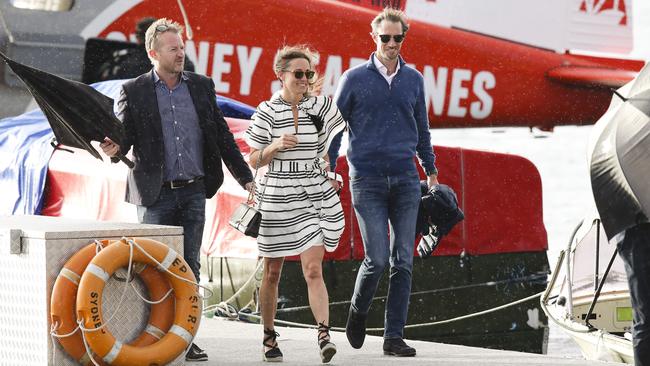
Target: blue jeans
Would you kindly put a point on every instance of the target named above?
(634, 249)
(181, 207)
(383, 203)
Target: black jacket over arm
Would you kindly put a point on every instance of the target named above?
(138, 111)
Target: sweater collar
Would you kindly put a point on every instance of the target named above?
(371, 64)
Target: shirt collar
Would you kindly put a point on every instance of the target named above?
(156, 78)
(383, 69)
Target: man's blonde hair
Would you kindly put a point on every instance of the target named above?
(154, 32)
(391, 15)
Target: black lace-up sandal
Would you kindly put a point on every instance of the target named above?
(270, 341)
(327, 348)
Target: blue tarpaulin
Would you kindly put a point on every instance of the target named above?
(25, 151)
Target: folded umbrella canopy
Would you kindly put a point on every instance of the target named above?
(437, 215)
(620, 156)
(77, 113)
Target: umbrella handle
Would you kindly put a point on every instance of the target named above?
(125, 160)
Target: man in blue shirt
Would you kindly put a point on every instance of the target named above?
(384, 104)
(179, 139)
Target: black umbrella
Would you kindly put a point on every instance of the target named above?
(620, 154)
(76, 112)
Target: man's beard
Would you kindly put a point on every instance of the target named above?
(175, 68)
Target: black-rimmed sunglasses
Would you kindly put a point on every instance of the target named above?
(385, 38)
(299, 74)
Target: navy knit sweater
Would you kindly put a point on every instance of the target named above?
(387, 124)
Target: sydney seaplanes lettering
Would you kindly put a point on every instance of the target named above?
(222, 60)
(444, 87)
(435, 85)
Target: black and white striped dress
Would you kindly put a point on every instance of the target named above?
(299, 207)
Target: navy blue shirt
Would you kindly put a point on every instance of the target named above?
(182, 135)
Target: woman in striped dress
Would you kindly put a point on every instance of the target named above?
(301, 211)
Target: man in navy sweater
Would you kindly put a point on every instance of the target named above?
(383, 102)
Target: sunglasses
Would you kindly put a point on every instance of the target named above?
(299, 74)
(385, 38)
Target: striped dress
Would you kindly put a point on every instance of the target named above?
(299, 206)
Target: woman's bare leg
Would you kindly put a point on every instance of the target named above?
(269, 290)
(312, 269)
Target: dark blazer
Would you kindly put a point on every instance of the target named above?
(137, 108)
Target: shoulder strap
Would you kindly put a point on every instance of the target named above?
(294, 108)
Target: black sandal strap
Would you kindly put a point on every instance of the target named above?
(323, 333)
(270, 338)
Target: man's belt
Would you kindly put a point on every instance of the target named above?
(175, 184)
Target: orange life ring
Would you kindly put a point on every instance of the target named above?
(187, 309)
(64, 295)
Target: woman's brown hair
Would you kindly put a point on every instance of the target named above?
(288, 53)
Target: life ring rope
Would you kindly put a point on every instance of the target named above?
(166, 263)
(98, 246)
(89, 352)
(104, 276)
(151, 302)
